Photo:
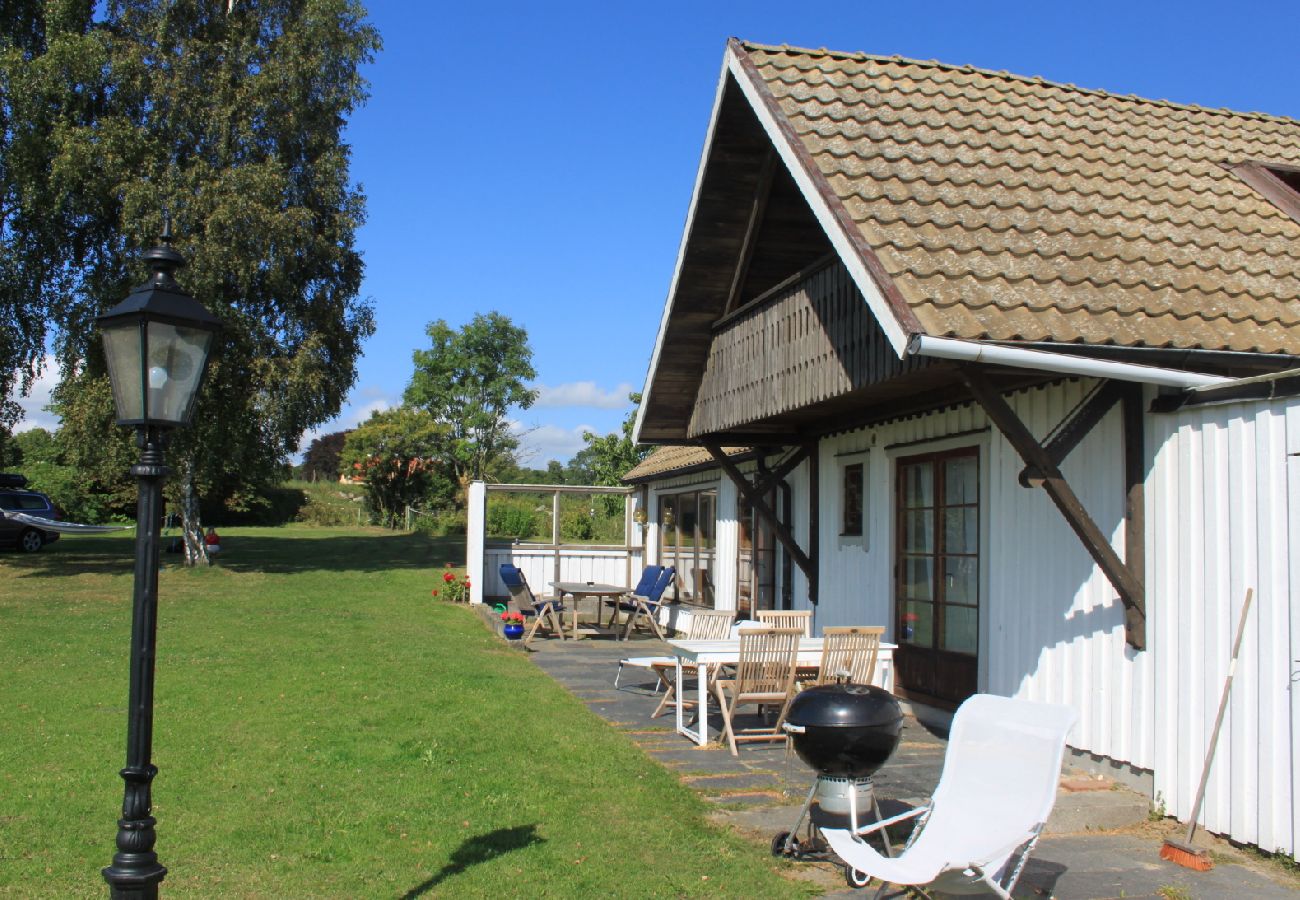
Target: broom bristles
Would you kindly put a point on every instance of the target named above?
(1185, 856)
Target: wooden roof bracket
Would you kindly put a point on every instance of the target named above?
(756, 211)
(1076, 426)
(1127, 584)
(784, 536)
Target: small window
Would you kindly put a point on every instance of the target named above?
(853, 500)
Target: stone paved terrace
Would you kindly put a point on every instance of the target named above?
(1098, 844)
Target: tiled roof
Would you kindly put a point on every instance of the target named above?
(1011, 208)
(668, 459)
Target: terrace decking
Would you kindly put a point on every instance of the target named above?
(760, 791)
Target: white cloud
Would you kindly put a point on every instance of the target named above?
(35, 414)
(583, 393)
(540, 444)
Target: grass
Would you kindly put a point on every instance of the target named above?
(325, 729)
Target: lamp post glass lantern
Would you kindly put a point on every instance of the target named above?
(157, 343)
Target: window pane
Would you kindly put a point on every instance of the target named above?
(918, 485)
(708, 502)
(961, 480)
(918, 624)
(961, 530)
(961, 579)
(687, 519)
(918, 531)
(667, 522)
(960, 629)
(851, 497)
(918, 577)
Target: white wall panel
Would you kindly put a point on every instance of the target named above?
(1219, 522)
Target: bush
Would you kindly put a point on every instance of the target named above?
(514, 517)
(441, 523)
(264, 506)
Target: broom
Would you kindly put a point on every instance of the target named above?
(1184, 853)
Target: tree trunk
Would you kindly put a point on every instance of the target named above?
(196, 551)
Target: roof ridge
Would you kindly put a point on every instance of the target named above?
(1012, 76)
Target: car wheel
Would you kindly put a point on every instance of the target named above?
(30, 541)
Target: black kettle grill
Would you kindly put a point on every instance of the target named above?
(846, 732)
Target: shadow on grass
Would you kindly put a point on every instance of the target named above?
(480, 849)
(261, 550)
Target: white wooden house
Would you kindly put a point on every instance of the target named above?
(1002, 365)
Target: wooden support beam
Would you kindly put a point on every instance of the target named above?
(1135, 520)
(782, 531)
(1128, 586)
(771, 479)
(756, 211)
(1077, 426)
(814, 519)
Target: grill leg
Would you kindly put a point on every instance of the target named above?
(794, 830)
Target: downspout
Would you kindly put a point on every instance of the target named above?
(1043, 361)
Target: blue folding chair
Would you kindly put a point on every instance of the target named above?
(643, 588)
(647, 604)
(538, 608)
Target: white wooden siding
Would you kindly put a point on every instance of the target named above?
(1051, 625)
(1219, 522)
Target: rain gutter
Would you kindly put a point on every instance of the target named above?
(1039, 360)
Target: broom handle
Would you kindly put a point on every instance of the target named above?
(1218, 720)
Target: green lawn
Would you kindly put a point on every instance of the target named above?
(324, 728)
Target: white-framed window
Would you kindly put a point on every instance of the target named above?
(854, 472)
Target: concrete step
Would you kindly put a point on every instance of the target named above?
(1091, 803)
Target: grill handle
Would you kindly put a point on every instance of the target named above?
(792, 729)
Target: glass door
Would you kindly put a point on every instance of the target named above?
(936, 599)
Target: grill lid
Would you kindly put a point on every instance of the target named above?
(845, 706)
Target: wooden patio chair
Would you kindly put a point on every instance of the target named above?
(786, 618)
(647, 605)
(764, 676)
(649, 577)
(538, 608)
(849, 653)
(706, 625)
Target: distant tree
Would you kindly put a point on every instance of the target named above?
(613, 455)
(467, 381)
(231, 115)
(36, 445)
(396, 452)
(579, 468)
(321, 461)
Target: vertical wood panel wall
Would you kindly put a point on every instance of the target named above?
(810, 342)
(1219, 522)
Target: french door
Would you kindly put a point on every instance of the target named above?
(937, 576)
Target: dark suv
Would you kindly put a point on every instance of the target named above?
(14, 498)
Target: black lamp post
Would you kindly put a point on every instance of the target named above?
(157, 342)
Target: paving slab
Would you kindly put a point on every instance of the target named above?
(1081, 857)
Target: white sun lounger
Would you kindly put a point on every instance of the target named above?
(999, 782)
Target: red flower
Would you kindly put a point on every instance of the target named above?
(466, 582)
(448, 577)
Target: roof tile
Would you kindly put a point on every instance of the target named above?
(1011, 208)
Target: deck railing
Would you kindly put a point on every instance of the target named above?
(556, 560)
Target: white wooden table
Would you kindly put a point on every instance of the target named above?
(706, 654)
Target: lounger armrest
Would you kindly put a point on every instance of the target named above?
(892, 820)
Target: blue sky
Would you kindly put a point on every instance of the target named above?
(538, 159)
